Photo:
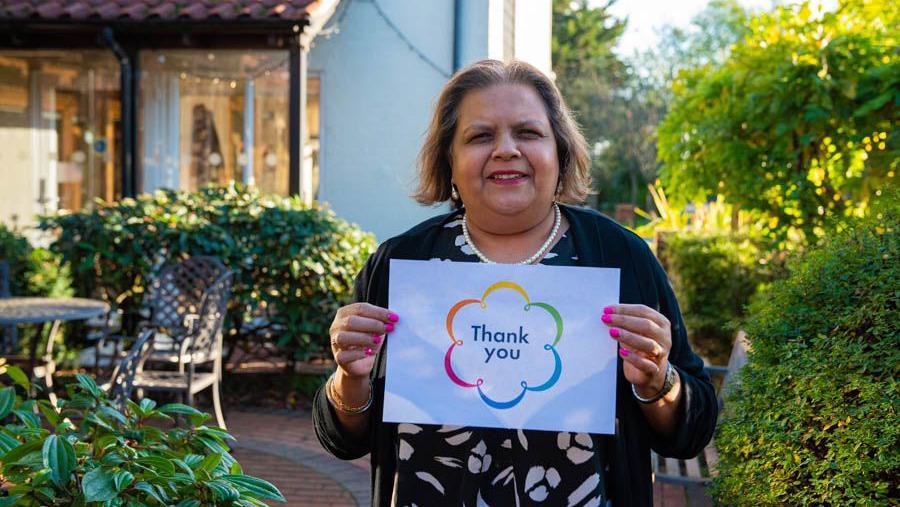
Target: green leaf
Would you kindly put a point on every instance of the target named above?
(256, 487)
(10, 501)
(216, 431)
(14, 455)
(122, 479)
(223, 490)
(49, 412)
(188, 503)
(30, 419)
(59, 456)
(147, 405)
(88, 384)
(874, 104)
(113, 413)
(209, 463)
(157, 464)
(98, 485)
(19, 377)
(155, 493)
(184, 466)
(7, 443)
(179, 408)
(7, 400)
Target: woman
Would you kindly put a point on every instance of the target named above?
(503, 147)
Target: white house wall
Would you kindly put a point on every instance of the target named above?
(534, 25)
(377, 96)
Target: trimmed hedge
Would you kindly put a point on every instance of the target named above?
(813, 418)
(714, 276)
(293, 264)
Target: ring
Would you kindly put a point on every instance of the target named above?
(334, 341)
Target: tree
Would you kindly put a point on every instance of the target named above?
(586, 67)
(796, 122)
(626, 158)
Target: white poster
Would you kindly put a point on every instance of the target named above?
(502, 346)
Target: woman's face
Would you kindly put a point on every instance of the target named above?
(504, 160)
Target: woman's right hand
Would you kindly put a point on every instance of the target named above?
(357, 332)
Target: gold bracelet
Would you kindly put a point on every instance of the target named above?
(340, 405)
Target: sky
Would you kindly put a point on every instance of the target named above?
(645, 16)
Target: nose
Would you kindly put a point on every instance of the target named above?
(506, 147)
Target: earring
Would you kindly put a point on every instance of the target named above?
(453, 193)
(558, 188)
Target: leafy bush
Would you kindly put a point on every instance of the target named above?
(90, 453)
(293, 263)
(714, 277)
(33, 271)
(813, 417)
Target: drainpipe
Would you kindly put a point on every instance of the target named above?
(127, 78)
(457, 35)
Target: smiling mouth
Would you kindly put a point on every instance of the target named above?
(507, 178)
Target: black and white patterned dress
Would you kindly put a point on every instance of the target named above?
(461, 465)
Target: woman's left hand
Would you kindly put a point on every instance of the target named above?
(645, 338)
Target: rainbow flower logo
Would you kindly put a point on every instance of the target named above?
(549, 347)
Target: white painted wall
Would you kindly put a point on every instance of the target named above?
(534, 27)
(378, 95)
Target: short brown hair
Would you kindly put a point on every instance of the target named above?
(434, 159)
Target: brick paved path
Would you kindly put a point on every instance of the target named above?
(282, 448)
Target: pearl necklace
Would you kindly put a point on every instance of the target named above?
(557, 221)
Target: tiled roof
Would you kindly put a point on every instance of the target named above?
(156, 10)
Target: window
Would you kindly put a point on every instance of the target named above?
(212, 117)
(59, 129)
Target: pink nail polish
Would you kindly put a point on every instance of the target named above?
(393, 317)
(388, 327)
(608, 310)
(623, 352)
(606, 318)
(614, 332)
(368, 352)
(376, 339)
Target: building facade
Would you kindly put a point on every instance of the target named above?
(328, 99)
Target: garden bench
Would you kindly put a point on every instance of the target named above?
(700, 469)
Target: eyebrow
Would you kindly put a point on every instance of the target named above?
(526, 123)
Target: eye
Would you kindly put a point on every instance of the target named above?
(479, 137)
(531, 134)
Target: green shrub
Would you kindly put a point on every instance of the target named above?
(292, 262)
(33, 271)
(714, 276)
(813, 418)
(91, 453)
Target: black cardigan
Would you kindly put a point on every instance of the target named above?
(599, 242)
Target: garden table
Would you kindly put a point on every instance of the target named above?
(41, 311)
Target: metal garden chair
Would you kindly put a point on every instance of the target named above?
(200, 345)
(121, 383)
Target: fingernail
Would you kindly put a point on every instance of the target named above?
(606, 318)
(368, 352)
(376, 339)
(388, 327)
(608, 309)
(623, 352)
(614, 332)
(393, 317)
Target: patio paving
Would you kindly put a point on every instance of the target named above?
(281, 447)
